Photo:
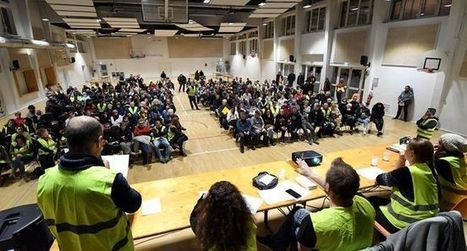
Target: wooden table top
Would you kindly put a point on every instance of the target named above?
(179, 195)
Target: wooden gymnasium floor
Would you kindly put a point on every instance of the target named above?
(210, 148)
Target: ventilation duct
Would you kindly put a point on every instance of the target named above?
(32, 44)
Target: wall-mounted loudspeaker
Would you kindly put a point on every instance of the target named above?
(72, 60)
(291, 58)
(364, 60)
(15, 65)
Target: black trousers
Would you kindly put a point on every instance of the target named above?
(399, 110)
(193, 102)
(379, 122)
(339, 95)
(182, 85)
(46, 161)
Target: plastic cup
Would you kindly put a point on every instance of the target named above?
(374, 161)
(386, 155)
(281, 174)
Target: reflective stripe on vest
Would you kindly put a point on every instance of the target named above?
(339, 228)
(326, 113)
(453, 192)
(48, 144)
(80, 212)
(427, 133)
(401, 211)
(133, 109)
(101, 107)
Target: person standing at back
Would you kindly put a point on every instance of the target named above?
(427, 124)
(192, 91)
(83, 202)
(404, 101)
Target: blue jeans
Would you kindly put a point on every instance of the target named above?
(145, 153)
(162, 143)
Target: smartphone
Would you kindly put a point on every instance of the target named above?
(293, 193)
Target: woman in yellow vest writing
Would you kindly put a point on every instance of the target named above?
(415, 190)
(452, 169)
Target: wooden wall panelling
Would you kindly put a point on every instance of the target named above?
(286, 48)
(189, 47)
(113, 48)
(405, 45)
(349, 46)
(268, 50)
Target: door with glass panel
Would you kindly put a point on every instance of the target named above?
(352, 77)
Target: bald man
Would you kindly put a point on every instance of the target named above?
(82, 201)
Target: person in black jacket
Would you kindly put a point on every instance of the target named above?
(163, 75)
(300, 79)
(291, 78)
(377, 117)
(182, 81)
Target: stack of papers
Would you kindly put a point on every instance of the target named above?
(279, 194)
(398, 148)
(266, 179)
(253, 203)
(152, 206)
(370, 172)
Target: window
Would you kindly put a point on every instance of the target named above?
(7, 23)
(356, 12)
(269, 30)
(233, 48)
(253, 34)
(253, 43)
(242, 48)
(314, 19)
(412, 9)
(288, 25)
(232, 38)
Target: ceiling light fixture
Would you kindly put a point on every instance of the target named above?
(354, 9)
(45, 19)
(307, 6)
(190, 21)
(447, 5)
(230, 23)
(264, 24)
(206, 1)
(98, 20)
(261, 4)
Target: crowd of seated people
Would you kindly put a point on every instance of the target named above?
(138, 118)
(257, 112)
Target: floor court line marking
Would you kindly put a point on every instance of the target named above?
(180, 102)
(215, 151)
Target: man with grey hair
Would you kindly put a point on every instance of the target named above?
(82, 201)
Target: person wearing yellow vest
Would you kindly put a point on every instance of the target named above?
(83, 202)
(415, 192)
(132, 109)
(47, 148)
(21, 154)
(426, 126)
(222, 220)
(452, 169)
(192, 90)
(346, 225)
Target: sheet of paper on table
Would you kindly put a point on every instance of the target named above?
(151, 206)
(118, 163)
(279, 194)
(253, 203)
(266, 179)
(370, 172)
